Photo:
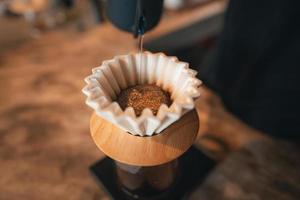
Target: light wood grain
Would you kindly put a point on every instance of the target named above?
(145, 151)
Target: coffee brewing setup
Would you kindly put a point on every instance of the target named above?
(149, 152)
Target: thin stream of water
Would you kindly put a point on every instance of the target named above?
(140, 43)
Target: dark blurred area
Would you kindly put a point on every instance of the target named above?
(33, 18)
(48, 47)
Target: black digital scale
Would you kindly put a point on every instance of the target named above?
(193, 163)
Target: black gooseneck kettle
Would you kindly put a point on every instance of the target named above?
(135, 16)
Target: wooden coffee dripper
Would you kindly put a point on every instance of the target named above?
(151, 159)
(145, 151)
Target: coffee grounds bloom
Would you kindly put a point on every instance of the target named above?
(144, 96)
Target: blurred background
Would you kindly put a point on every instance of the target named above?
(195, 22)
(48, 47)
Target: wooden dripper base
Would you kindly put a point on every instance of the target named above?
(145, 151)
(146, 167)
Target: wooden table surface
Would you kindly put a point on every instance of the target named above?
(45, 144)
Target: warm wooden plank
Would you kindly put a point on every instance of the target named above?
(46, 147)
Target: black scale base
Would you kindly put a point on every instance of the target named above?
(194, 164)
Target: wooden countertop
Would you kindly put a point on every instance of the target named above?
(46, 147)
(45, 144)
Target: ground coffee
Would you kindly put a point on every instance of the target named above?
(144, 96)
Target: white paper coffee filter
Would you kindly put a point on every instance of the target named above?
(107, 81)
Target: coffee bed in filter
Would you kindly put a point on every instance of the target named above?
(147, 139)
